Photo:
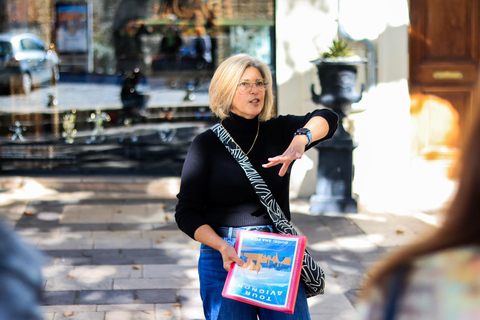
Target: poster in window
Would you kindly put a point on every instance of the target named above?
(270, 275)
(72, 28)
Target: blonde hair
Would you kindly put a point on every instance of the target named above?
(225, 80)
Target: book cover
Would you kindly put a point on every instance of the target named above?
(271, 273)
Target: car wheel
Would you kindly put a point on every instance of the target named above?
(55, 76)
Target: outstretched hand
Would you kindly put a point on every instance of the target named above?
(294, 151)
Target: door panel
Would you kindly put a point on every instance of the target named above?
(460, 99)
(449, 30)
(444, 53)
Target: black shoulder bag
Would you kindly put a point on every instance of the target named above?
(312, 275)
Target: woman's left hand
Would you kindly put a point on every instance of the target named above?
(294, 151)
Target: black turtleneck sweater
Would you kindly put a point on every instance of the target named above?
(214, 189)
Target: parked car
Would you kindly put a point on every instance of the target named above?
(25, 62)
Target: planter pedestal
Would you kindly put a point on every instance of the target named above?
(335, 160)
(334, 178)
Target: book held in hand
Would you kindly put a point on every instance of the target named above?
(270, 275)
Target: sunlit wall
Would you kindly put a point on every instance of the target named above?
(381, 125)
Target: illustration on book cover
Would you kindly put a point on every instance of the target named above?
(269, 277)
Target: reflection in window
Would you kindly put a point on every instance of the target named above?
(189, 35)
(133, 79)
(28, 44)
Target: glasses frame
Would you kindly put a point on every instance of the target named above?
(261, 88)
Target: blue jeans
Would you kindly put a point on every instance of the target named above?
(212, 278)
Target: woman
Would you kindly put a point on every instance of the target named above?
(439, 276)
(216, 198)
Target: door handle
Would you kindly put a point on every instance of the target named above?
(448, 75)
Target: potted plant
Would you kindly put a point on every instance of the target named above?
(337, 70)
(338, 51)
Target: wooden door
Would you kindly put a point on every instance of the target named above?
(444, 54)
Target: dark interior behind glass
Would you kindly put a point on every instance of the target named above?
(133, 81)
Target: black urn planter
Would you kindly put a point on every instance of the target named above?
(335, 164)
(338, 81)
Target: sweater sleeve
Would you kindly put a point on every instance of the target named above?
(291, 123)
(332, 119)
(190, 209)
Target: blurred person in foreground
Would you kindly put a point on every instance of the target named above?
(216, 198)
(437, 277)
(20, 278)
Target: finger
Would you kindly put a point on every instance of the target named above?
(268, 165)
(276, 158)
(272, 162)
(283, 170)
(228, 265)
(239, 261)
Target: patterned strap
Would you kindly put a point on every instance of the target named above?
(312, 274)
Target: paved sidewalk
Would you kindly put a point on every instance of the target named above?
(113, 250)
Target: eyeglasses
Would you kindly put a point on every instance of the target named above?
(246, 86)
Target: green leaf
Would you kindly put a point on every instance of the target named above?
(339, 48)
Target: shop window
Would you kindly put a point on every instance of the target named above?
(120, 86)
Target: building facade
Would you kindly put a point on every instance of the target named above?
(94, 131)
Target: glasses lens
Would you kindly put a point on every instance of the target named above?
(246, 86)
(261, 85)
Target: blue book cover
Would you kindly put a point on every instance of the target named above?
(271, 272)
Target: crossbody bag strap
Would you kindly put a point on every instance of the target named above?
(261, 189)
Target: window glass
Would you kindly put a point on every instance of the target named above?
(124, 87)
(25, 44)
(36, 46)
(5, 48)
(29, 44)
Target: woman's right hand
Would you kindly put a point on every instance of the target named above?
(229, 256)
(206, 235)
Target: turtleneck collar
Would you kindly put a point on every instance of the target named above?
(235, 123)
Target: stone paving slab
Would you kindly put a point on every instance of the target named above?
(130, 315)
(59, 298)
(113, 312)
(66, 244)
(191, 303)
(80, 316)
(78, 284)
(11, 214)
(122, 257)
(129, 234)
(76, 227)
(170, 271)
(330, 304)
(162, 283)
(93, 272)
(126, 307)
(95, 297)
(123, 243)
(113, 271)
(57, 272)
